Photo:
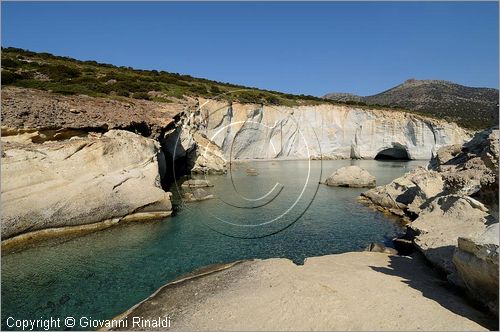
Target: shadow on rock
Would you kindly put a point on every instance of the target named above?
(419, 275)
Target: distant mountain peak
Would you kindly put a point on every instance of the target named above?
(469, 106)
(343, 96)
(414, 81)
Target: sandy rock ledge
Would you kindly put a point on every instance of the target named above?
(79, 182)
(352, 291)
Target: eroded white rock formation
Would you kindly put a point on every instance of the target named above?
(81, 181)
(200, 155)
(248, 131)
(453, 205)
(476, 260)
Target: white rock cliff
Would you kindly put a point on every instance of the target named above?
(249, 131)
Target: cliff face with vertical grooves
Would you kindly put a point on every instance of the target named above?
(247, 131)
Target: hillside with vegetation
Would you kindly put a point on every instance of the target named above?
(68, 76)
(468, 106)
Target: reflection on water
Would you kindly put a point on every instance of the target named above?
(105, 273)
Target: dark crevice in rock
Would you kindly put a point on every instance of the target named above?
(392, 154)
(139, 128)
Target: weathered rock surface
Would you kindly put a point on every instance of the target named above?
(197, 195)
(353, 291)
(207, 158)
(32, 110)
(441, 223)
(196, 183)
(246, 131)
(238, 131)
(81, 181)
(450, 204)
(252, 171)
(396, 196)
(473, 169)
(34, 116)
(351, 176)
(476, 260)
(201, 155)
(379, 247)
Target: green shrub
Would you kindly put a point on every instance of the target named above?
(60, 72)
(102, 88)
(9, 63)
(141, 95)
(123, 93)
(88, 70)
(201, 89)
(131, 86)
(9, 77)
(273, 100)
(215, 89)
(45, 55)
(147, 78)
(64, 91)
(86, 79)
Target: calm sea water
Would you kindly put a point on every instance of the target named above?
(281, 212)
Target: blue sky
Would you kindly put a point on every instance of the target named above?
(310, 48)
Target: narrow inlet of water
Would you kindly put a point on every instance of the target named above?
(104, 273)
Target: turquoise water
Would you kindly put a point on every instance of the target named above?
(104, 273)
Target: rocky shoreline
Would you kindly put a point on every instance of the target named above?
(451, 210)
(88, 171)
(71, 161)
(78, 164)
(79, 185)
(454, 227)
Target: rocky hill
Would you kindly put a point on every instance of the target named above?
(67, 76)
(343, 97)
(468, 106)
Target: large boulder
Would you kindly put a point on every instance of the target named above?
(398, 195)
(351, 176)
(407, 194)
(81, 181)
(442, 222)
(476, 260)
